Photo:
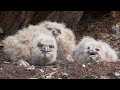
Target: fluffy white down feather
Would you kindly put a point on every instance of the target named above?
(89, 50)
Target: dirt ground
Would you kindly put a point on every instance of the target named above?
(94, 24)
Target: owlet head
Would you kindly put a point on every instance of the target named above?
(92, 48)
(45, 48)
(55, 31)
(45, 43)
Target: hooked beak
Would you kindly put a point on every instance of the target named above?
(92, 53)
(45, 50)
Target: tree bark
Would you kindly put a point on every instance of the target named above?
(70, 18)
(116, 15)
(40, 16)
(12, 21)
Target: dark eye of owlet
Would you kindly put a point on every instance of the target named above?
(49, 29)
(97, 49)
(88, 47)
(58, 30)
(40, 45)
(51, 46)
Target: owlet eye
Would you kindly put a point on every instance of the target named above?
(40, 45)
(49, 29)
(51, 46)
(97, 49)
(88, 47)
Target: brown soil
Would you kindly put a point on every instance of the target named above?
(92, 24)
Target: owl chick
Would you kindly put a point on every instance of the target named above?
(29, 47)
(89, 50)
(44, 50)
(65, 38)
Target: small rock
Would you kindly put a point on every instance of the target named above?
(1, 68)
(117, 74)
(83, 65)
(30, 67)
(54, 69)
(41, 70)
(5, 62)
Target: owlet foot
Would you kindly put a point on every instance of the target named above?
(23, 63)
(69, 58)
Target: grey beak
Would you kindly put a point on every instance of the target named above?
(92, 53)
(45, 49)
